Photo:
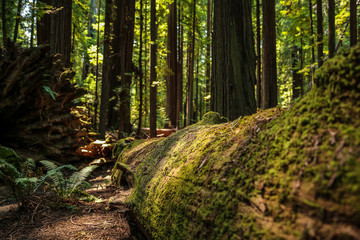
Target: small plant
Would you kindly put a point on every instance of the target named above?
(63, 186)
(17, 174)
(20, 177)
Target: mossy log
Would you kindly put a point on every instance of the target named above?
(36, 100)
(278, 174)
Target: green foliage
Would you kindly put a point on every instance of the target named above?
(17, 174)
(66, 186)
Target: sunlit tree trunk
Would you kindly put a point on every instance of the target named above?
(208, 52)
(312, 40)
(180, 69)
(269, 75)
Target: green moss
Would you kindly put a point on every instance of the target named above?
(260, 176)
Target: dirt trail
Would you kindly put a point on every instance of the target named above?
(109, 219)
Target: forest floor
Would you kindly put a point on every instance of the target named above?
(69, 219)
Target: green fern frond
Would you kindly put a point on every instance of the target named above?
(78, 178)
(8, 170)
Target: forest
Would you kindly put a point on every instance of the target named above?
(169, 119)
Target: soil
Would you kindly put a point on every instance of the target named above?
(47, 218)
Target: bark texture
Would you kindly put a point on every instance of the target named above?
(233, 69)
(36, 100)
(269, 74)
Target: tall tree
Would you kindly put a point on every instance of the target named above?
(312, 40)
(258, 55)
(17, 21)
(153, 63)
(331, 20)
(141, 87)
(171, 86)
(96, 102)
(353, 22)
(55, 27)
(269, 76)
(126, 11)
(106, 69)
(190, 73)
(320, 32)
(3, 18)
(208, 51)
(233, 69)
(180, 67)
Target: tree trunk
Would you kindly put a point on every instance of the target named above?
(208, 53)
(171, 88)
(258, 55)
(3, 18)
(269, 77)
(296, 81)
(331, 28)
(33, 6)
(96, 102)
(17, 22)
(180, 71)
(312, 41)
(106, 69)
(126, 12)
(234, 62)
(190, 74)
(353, 22)
(153, 63)
(141, 93)
(320, 32)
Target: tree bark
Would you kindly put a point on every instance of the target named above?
(208, 52)
(190, 74)
(106, 69)
(269, 76)
(3, 18)
(126, 12)
(312, 41)
(141, 87)
(353, 22)
(258, 54)
(96, 102)
(320, 32)
(331, 28)
(17, 22)
(153, 63)
(234, 61)
(171, 90)
(180, 70)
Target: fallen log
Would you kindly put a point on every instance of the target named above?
(36, 102)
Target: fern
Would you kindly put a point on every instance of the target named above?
(78, 178)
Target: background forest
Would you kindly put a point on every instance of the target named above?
(164, 63)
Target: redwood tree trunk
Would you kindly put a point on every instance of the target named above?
(353, 22)
(171, 90)
(269, 79)
(17, 22)
(233, 69)
(106, 70)
(320, 32)
(258, 55)
(141, 87)
(331, 28)
(153, 63)
(190, 74)
(126, 12)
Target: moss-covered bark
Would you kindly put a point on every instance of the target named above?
(276, 174)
